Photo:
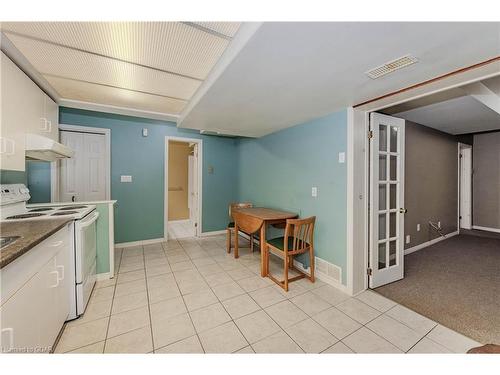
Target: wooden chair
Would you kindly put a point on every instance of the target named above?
(298, 239)
(230, 226)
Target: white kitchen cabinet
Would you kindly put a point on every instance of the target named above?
(51, 115)
(25, 108)
(14, 115)
(32, 317)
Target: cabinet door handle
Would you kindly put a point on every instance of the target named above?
(4, 146)
(59, 278)
(10, 332)
(57, 244)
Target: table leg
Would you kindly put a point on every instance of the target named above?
(263, 257)
(236, 239)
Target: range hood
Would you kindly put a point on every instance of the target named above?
(42, 148)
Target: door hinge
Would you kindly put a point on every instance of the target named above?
(460, 156)
(196, 225)
(460, 217)
(370, 134)
(369, 271)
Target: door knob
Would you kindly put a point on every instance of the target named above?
(403, 210)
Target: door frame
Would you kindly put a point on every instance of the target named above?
(55, 181)
(358, 161)
(462, 146)
(199, 202)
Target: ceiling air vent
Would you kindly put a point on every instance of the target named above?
(391, 66)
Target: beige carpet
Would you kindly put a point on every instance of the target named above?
(455, 282)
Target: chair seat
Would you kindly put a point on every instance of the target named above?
(279, 243)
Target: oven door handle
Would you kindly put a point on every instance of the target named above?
(93, 217)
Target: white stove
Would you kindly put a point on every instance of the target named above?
(13, 200)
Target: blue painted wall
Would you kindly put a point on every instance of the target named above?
(38, 176)
(279, 170)
(139, 210)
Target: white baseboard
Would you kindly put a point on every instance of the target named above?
(139, 243)
(318, 274)
(103, 276)
(487, 229)
(213, 233)
(429, 243)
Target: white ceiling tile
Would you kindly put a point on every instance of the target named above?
(226, 28)
(55, 60)
(93, 93)
(171, 46)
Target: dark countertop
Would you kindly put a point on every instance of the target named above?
(32, 232)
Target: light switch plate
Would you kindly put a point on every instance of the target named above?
(418, 227)
(145, 132)
(314, 192)
(125, 178)
(408, 239)
(341, 157)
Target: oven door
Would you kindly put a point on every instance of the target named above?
(85, 257)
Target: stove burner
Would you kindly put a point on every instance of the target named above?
(64, 213)
(71, 208)
(40, 209)
(24, 216)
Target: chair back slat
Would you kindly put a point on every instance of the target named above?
(232, 206)
(302, 233)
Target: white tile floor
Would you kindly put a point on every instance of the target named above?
(189, 296)
(180, 229)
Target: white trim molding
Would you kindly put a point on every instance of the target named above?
(213, 233)
(139, 243)
(487, 229)
(97, 107)
(429, 243)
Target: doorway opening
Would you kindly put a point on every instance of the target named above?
(465, 186)
(182, 188)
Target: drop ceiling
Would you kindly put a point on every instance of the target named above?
(148, 66)
(207, 76)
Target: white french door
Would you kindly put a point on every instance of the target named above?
(83, 177)
(387, 145)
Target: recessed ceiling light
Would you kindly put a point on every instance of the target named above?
(391, 66)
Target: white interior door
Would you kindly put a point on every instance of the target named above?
(193, 189)
(83, 177)
(465, 187)
(386, 199)
(71, 189)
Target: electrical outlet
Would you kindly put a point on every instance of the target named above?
(408, 238)
(418, 227)
(125, 178)
(314, 192)
(341, 157)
